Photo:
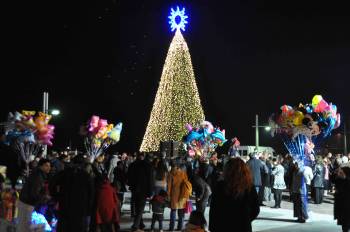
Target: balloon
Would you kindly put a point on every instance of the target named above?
(93, 123)
(191, 153)
(102, 123)
(208, 126)
(188, 127)
(337, 123)
(321, 106)
(28, 113)
(114, 134)
(316, 100)
(101, 132)
(298, 118)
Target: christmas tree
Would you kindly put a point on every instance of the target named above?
(177, 100)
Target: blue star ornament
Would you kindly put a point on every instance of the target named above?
(177, 19)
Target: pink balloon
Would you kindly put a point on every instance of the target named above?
(50, 127)
(93, 122)
(322, 105)
(191, 153)
(189, 127)
(102, 123)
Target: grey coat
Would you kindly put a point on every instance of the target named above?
(278, 173)
(318, 181)
(298, 182)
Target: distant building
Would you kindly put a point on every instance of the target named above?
(246, 150)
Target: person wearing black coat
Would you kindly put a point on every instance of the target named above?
(140, 184)
(74, 189)
(202, 191)
(342, 199)
(33, 194)
(234, 204)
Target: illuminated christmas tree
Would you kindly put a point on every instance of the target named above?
(177, 100)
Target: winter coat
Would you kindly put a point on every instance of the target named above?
(158, 204)
(201, 188)
(278, 173)
(107, 210)
(342, 201)
(308, 175)
(140, 178)
(120, 178)
(193, 228)
(34, 191)
(257, 167)
(298, 182)
(318, 181)
(112, 165)
(267, 177)
(76, 192)
(175, 182)
(227, 211)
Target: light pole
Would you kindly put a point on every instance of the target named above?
(45, 111)
(267, 128)
(345, 141)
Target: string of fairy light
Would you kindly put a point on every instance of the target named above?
(177, 100)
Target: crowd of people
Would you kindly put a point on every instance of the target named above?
(83, 196)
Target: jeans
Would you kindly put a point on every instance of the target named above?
(278, 197)
(180, 214)
(159, 218)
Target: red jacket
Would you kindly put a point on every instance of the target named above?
(107, 205)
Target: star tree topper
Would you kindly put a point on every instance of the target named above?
(177, 19)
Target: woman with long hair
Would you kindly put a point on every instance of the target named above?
(160, 174)
(234, 201)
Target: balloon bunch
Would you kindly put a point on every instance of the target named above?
(99, 135)
(29, 127)
(316, 119)
(302, 126)
(203, 140)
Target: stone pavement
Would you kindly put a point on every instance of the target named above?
(269, 220)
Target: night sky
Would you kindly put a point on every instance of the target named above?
(105, 57)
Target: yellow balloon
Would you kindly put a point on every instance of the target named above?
(316, 99)
(298, 118)
(28, 113)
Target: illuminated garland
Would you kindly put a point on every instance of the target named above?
(177, 100)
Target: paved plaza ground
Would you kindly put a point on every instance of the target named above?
(269, 220)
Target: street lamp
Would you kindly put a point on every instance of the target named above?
(55, 112)
(267, 128)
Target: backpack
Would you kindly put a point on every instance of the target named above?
(186, 189)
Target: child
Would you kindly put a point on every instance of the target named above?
(107, 213)
(8, 202)
(196, 223)
(158, 204)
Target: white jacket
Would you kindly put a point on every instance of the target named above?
(308, 175)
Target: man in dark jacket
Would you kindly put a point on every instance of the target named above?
(75, 194)
(32, 194)
(257, 167)
(140, 183)
(341, 198)
(203, 192)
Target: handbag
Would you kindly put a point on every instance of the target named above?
(188, 206)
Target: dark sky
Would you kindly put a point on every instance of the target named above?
(105, 57)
